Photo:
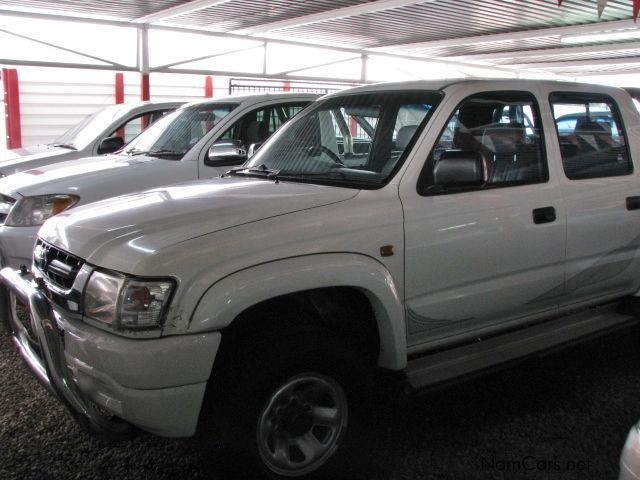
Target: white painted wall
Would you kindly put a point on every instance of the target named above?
(52, 100)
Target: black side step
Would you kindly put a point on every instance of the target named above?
(445, 365)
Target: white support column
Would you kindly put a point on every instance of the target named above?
(264, 59)
(143, 61)
(363, 68)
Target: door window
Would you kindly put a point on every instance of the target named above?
(134, 126)
(257, 126)
(501, 131)
(592, 141)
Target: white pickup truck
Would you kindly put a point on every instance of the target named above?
(431, 229)
(102, 132)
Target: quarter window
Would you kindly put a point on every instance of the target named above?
(592, 141)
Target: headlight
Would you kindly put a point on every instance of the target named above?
(125, 303)
(33, 211)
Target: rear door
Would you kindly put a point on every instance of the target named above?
(602, 197)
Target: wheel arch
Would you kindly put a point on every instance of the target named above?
(231, 298)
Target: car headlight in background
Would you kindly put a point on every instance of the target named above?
(124, 303)
(33, 211)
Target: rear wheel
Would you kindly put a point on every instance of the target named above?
(294, 407)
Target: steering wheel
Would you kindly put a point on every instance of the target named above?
(316, 150)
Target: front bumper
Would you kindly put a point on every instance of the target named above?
(155, 384)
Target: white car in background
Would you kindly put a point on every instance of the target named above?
(104, 131)
(199, 140)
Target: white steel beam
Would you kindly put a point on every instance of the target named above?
(208, 57)
(542, 52)
(605, 73)
(189, 7)
(354, 10)
(567, 65)
(64, 49)
(519, 35)
(319, 65)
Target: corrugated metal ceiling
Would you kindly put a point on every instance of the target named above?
(444, 29)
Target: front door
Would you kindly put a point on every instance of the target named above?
(485, 256)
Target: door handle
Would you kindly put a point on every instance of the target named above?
(633, 203)
(544, 215)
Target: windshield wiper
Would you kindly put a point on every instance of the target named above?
(331, 174)
(153, 153)
(161, 152)
(70, 146)
(135, 151)
(261, 170)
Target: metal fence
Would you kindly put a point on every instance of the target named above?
(247, 85)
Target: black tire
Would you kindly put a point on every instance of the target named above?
(5, 310)
(264, 404)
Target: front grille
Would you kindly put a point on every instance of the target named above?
(58, 266)
(6, 203)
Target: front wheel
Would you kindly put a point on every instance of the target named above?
(292, 408)
(302, 424)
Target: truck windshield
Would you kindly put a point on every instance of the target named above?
(356, 140)
(173, 136)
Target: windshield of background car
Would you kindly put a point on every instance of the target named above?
(173, 136)
(356, 141)
(91, 126)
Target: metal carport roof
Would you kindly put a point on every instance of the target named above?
(512, 37)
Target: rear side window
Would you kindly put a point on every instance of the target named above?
(500, 129)
(591, 136)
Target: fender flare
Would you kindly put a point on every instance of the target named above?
(227, 298)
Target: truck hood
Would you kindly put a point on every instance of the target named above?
(119, 232)
(18, 159)
(96, 178)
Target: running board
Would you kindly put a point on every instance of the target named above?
(445, 365)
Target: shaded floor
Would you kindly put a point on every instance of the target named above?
(564, 416)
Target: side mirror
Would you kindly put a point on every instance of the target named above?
(110, 145)
(457, 168)
(253, 148)
(226, 153)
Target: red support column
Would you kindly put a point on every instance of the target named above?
(208, 86)
(353, 126)
(119, 94)
(12, 107)
(119, 88)
(287, 86)
(144, 95)
(144, 87)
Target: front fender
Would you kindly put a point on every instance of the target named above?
(233, 294)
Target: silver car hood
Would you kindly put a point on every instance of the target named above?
(18, 159)
(98, 177)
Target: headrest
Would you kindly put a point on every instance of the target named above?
(256, 132)
(405, 134)
(503, 139)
